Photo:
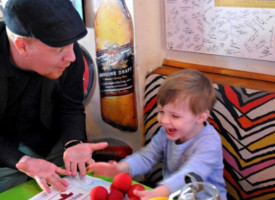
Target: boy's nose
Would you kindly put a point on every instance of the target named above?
(164, 119)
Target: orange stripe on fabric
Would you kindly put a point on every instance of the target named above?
(149, 123)
(263, 143)
(211, 121)
(247, 123)
(243, 163)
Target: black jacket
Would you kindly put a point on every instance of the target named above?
(61, 108)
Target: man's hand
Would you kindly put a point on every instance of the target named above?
(79, 155)
(44, 172)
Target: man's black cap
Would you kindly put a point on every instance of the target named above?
(54, 22)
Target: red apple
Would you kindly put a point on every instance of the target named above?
(122, 181)
(130, 192)
(99, 193)
(116, 194)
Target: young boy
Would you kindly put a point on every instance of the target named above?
(186, 142)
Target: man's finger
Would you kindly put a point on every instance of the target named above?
(74, 169)
(82, 169)
(67, 166)
(61, 180)
(99, 146)
(58, 183)
(65, 172)
(43, 184)
(64, 182)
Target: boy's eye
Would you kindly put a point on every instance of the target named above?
(160, 112)
(175, 116)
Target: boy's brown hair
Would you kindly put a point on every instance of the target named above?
(188, 84)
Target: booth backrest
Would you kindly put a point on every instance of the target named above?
(244, 116)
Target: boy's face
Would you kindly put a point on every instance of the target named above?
(179, 122)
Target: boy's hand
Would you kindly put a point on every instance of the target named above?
(160, 191)
(108, 169)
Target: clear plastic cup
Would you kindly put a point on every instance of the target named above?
(196, 191)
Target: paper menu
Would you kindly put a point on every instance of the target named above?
(79, 189)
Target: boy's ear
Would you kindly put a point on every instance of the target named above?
(202, 117)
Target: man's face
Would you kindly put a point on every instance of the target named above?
(48, 61)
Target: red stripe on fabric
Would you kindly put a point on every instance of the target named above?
(150, 105)
(231, 95)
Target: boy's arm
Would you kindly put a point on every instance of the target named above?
(108, 169)
(143, 160)
(203, 161)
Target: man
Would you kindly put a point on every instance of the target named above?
(41, 94)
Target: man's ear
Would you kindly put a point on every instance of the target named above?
(20, 45)
(203, 116)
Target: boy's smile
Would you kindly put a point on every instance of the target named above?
(170, 131)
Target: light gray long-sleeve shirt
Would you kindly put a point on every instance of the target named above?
(201, 155)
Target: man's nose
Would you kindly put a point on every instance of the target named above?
(70, 56)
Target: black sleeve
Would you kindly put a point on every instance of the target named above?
(69, 115)
(10, 154)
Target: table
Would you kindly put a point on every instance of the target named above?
(29, 189)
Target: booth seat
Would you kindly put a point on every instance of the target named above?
(244, 116)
